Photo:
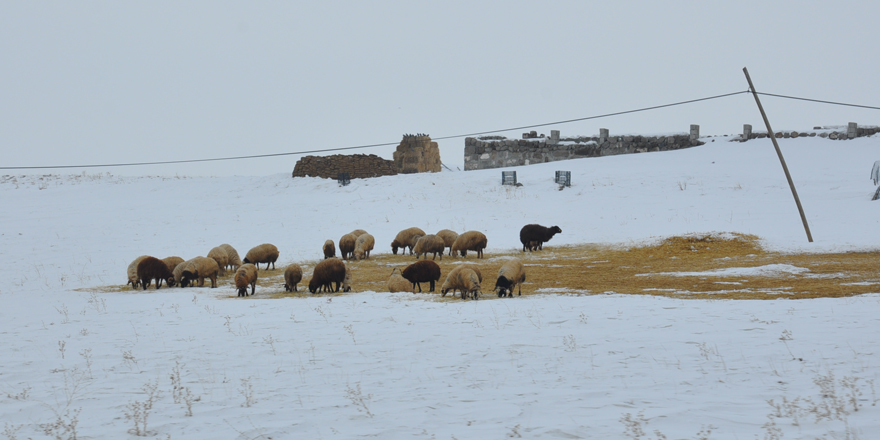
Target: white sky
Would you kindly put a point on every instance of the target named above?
(109, 82)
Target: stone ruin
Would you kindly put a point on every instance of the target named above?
(415, 154)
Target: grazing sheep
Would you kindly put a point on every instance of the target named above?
(219, 255)
(178, 273)
(292, 276)
(404, 239)
(533, 236)
(234, 261)
(264, 253)
(363, 245)
(172, 262)
(397, 283)
(448, 237)
(470, 241)
(152, 268)
(466, 280)
(245, 276)
(358, 232)
(327, 272)
(422, 271)
(429, 244)
(346, 246)
(511, 274)
(132, 272)
(329, 249)
(201, 268)
(452, 282)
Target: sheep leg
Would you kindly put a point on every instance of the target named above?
(432, 286)
(337, 287)
(420, 287)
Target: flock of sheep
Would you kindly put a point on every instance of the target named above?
(331, 273)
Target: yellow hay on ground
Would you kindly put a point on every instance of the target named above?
(644, 270)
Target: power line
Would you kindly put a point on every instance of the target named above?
(820, 101)
(325, 150)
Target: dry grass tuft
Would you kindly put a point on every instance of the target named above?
(644, 270)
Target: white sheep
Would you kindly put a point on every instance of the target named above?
(219, 255)
(234, 260)
(429, 244)
(397, 283)
(363, 245)
(404, 239)
(470, 241)
(464, 279)
(511, 274)
(448, 237)
(132, 272)
(264, 253)
(201, 268)
(452, 282)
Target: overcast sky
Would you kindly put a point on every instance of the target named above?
(112, 82)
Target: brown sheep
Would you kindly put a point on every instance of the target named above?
(429, 244)
(422, 271)
(452, 281)
(448, 237)
(201, 268)
(362, 246)
(511, 274)
(404, 239)
(234, 261)
(329, 249)
(533, 236)
(219, 255)
(245, 276)
(264, 253)
(292, 276)
(346, 246)
(470, 241)
(152, 268)
(132, 272)
(327, 272)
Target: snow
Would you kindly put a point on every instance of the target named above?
(560, 364)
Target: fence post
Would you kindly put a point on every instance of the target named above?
(603, 135)
(747, 132)
(852, 130)
(695, 132)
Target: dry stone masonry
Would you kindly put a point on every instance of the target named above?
(498, 151)
(851, 131)
(415, 154)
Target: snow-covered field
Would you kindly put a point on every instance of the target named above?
(200, 363)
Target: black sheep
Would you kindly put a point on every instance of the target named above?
(533, 236)
(152, 268)
(422, 271)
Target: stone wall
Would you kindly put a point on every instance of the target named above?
(851, 131)
(356, 165)
(417, 154)
(498, 152)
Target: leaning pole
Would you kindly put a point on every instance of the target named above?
(772, 135)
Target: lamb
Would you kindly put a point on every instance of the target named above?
(422, 271)
(245, 276)
(234, 260)
(132, 272)
(470, 241)
(327, 272)
(363, 245)
(429, 244)
(533, 236)
(329, 249)
(292, 276)
(511, 274)
(152, 268)
(448, 237)
(264, 253)
(452, 282)
(346, 246)
(219, 255)
(404, 239)
(201, 268)
(397, 283)
(464, 279)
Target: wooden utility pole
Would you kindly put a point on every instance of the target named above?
(772, 135)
